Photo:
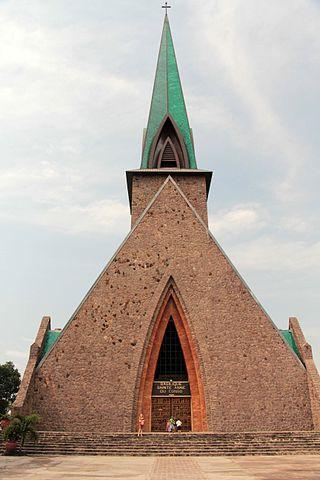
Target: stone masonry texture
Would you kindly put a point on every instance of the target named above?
(90, 380)
(23, 400)
(144, 187)
(311, 369)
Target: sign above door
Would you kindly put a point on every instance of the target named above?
(171, 388)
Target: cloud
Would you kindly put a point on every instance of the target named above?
(258, 238)
(61, 128)
(239, 219)
(48, 181)
(16, 354)
(18, 357)
(59, 199)
(243, 56)
(298, 223)
(272, 253)
(99, 217)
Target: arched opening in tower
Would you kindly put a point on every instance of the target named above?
(168, 150)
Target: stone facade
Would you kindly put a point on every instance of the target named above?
(242, 375)
(93, 378)
(145, 185)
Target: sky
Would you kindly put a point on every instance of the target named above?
(75, 87)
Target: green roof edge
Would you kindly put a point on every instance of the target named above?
(288, 336)
(49, 340)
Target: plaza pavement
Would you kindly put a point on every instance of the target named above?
(295, 467)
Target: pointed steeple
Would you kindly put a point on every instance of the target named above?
(168, 138)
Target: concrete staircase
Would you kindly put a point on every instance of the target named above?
(176, 444)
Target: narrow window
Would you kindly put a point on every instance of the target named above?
(171, 364)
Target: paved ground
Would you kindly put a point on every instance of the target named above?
(161, 468)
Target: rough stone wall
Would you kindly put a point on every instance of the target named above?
(23, 403)
(252, 380)
(144, 187)
(312, 372)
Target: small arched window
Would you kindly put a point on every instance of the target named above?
(168, 149)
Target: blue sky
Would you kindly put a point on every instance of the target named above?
(75, 89)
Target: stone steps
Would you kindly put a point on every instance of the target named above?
(177, 438)
(223, 448)
(154, 445)
(177, 444)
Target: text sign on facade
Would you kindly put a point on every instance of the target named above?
(171, 389)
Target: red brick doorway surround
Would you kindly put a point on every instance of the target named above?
(171, 307)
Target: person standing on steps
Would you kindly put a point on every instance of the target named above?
(141, 425)
(172, 425)
(168, 425)
(178, 425)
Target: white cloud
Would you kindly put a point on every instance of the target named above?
(275, 254)
(260, 239)
(238, 38)
(18, 357)
(57, 198)
(16, 354)
(39, 72)
(99, 217)
(47, 182)
(298, 224)
(239, 219)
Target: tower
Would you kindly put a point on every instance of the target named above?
(170, 327)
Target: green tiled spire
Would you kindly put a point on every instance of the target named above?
(167, 98)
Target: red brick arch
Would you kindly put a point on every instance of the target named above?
(171, 307)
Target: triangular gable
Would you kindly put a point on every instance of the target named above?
(205, 227)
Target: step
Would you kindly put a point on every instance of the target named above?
(178, 444)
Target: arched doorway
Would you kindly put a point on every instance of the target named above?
(171, 396)
(185, 400)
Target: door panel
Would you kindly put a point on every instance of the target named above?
(181, 409)
(165, 407)
(161, 412)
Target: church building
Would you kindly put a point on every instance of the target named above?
(170, 328)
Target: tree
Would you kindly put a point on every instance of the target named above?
(22, 428)
(9, 385)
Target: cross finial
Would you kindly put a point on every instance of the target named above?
(166, 6)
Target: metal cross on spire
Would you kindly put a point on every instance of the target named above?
(166, 6)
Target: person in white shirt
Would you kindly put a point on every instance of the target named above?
(178, 425)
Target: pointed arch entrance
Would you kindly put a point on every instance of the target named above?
(171, 317)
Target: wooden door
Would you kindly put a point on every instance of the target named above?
(160, 413)
(181, 409)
